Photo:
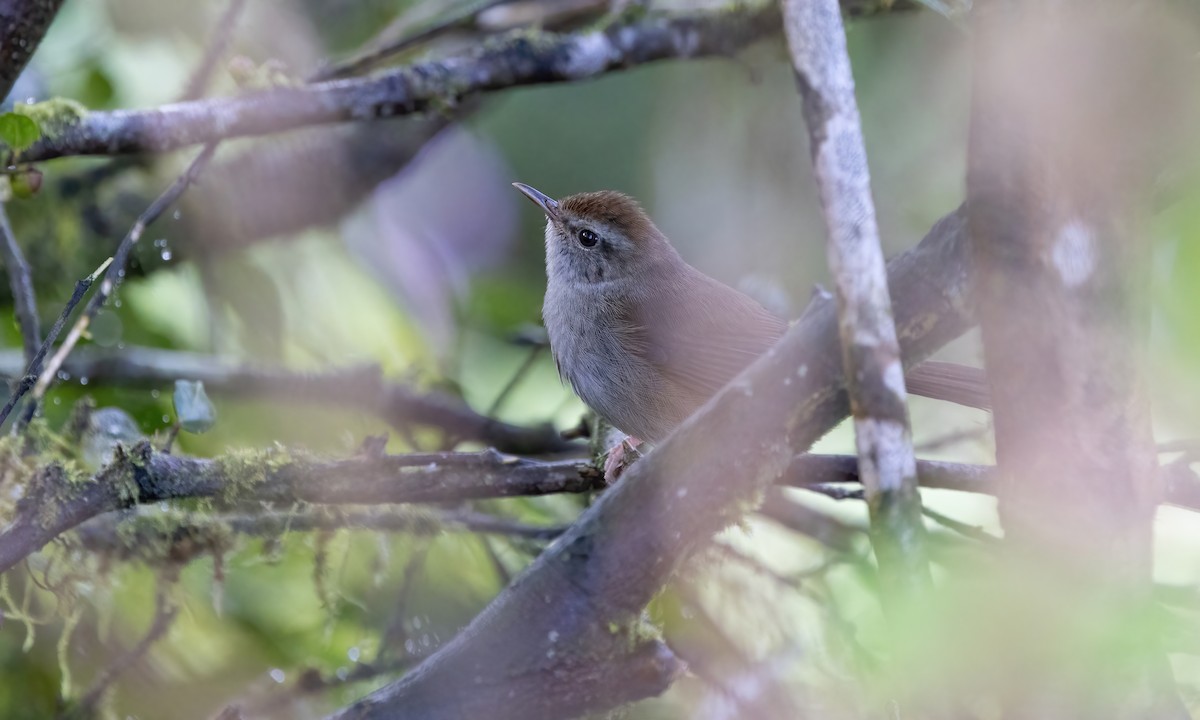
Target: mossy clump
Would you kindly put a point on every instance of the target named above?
(170, 537)
(54, 116)
(244, 470)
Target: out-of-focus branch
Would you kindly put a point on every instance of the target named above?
(1057, 185)
(523, 58)
(797, 517)
(55, 502)
(165, 612)
(23, 24)
(870, 349)
(222, 35)
(808, 470)
(301, 180)
(485, 16)
(587, 590)
(21, 281)
(155, 535)
(357, 387)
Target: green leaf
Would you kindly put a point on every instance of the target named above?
(18, 131)
(194, 410)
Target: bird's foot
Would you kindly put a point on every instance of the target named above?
(621, 457)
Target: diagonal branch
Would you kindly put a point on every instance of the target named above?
(23, 24)
(586, 592)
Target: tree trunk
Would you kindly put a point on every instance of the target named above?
(1055, 182)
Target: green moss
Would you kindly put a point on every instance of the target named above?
(121, 475)
(47, 444)
(170, 537)
(54, 116)
(244, 470)
(54, 487)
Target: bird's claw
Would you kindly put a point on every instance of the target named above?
(621, 457)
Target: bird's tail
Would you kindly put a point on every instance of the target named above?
(954, 383)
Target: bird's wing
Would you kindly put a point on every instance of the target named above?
(701, 334)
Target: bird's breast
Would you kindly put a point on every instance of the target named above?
(594, 355)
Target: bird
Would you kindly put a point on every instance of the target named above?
(643, 337)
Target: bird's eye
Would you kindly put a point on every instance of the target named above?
(587, 238)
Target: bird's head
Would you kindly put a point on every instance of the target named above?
(597, 237)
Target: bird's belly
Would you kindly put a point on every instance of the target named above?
(621, 387)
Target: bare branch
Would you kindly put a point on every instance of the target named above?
(870, 349)
(807, 470)
(823, 528)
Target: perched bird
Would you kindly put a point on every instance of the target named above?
(643, 337)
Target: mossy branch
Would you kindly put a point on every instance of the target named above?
(58, 498)
(521, 58)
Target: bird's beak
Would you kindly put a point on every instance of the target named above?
(548, 204)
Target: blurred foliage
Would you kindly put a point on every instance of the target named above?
(716, 150)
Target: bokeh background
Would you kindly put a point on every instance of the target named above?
(430, 269)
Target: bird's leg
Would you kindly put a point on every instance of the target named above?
(620, 457)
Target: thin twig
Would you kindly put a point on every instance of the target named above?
(222, 35)
(515, 380)
(34, 367)
(372, 58)
(312, 682)
(116, 272)
(20, 281)
(396, 631)
(966, 529)
(797, 517)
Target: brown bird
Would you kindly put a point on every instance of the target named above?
(643, 337)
